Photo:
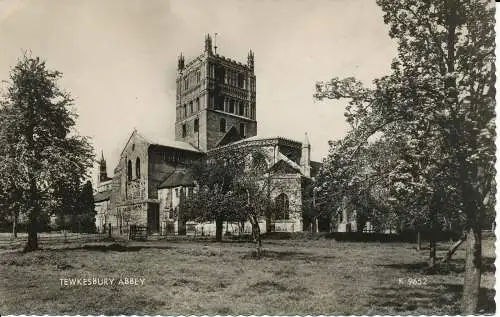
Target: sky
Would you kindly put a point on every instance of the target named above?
(119, 58)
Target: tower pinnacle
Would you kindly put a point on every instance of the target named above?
(103, 173)
(215, 43)
(250, 60)
(305, 158)
(208, 44)
(306, 140)
(180, 63)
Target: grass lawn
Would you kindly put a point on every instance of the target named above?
(185, 277)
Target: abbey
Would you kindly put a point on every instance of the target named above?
(215, 110)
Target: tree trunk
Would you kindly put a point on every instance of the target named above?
(33, 219)
(432, 252)
(256, 237)
(219, 227)
(452, 250)
(14, 225)
(314, 225)
(268, 223)
(32, 244)
(242, 227)
(419, 241)
(472, 278)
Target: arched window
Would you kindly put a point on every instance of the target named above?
(231, 105)
(259, 162)
(241, 109)
(129, 170)
(137, 168)
(196, 125)
(222, 125)
(282, 207)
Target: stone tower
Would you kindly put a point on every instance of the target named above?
(215, 99)
(103, 173)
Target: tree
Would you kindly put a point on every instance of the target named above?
(212, 200)
(232, 185)
(39, 149)
(65, 204)
(439, 98)
(86, 209)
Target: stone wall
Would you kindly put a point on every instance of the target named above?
(103, 215)
(291, 186)
(213, 126)
(196, 139)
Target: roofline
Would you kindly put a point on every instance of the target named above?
(163, 187)
(173, 147)
(205, 55)
(257, 141)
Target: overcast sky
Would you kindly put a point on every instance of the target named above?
(119, 58)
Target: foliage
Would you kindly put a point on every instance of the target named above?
(437, 107)
(41, 155)
(232, 185)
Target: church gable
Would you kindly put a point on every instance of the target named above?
(135, 144)
(282, 167)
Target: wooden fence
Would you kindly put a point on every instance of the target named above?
(49, 238)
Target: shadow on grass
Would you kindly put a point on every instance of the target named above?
(454, 266)
(438, 299)
(114, 247)
(288, 255)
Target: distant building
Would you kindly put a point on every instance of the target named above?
(215, 110)
(102, 196)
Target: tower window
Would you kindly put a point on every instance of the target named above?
(242, 130)
(211, 70)
(185, 111)
(231, 106)
(190, 107)
(197, 104)
(210, 100)
(241, 80)
(222, 125)
(241, 111)
(129, 170)
(196, 125)
(220, 102)
(137, 168)
(220, 75)
(184, 130)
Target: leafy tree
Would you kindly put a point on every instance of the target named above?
(39, 149)
(64, 203)
(439, 99)
(86, 209)
(232, 185)
(212, 200)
